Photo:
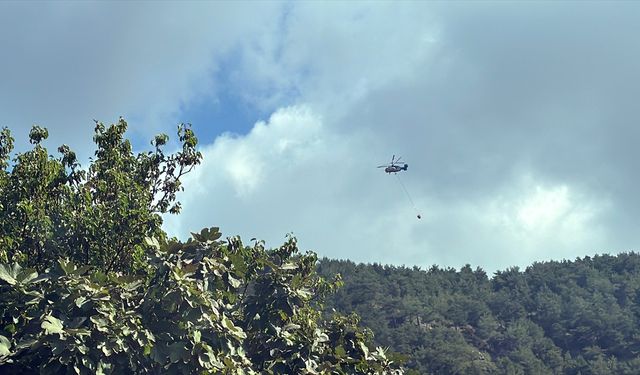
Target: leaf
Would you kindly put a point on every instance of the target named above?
(9, 274)
(289, 266)
(80, 301)
(210, 234)
(321, 336)
(100, 369)
(52, 325)
(364, 349)
(101, 324)
(88, 363)
(304, 293)
(82, 270)
(177, 352)
(5, 345)
(67, 266)
(152, 242)
(132, 286)
(235, 283)
(380, 353)
(83, 349)
(27, 275)
(197, 237)
(235, 331)
(238, 263)
(226, 322)
(291, 327)
(10, 328)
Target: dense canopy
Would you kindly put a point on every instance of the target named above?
(569, 317)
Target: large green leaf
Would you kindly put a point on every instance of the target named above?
(10, 273)
(5, 346)
(234, 330)
(152, 242)
(66, 265)
(178, 352)
(233, 281)
(52, 325)
(27, 275)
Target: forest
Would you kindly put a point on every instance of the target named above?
(556, 317)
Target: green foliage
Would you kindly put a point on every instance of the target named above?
(99, 216)
(104, 291)
(580, 317)
(210, 307)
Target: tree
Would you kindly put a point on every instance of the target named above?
(91, 284)
(98, 216)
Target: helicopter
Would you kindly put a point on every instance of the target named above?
(395, 166)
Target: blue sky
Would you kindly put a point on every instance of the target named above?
(228, 112)
(518, 119)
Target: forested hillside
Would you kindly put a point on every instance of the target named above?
(569, 317)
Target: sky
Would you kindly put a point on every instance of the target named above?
(518, 119)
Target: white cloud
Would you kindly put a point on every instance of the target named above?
(269, 150)
(294, 173)
(531, 221)
(543, 208)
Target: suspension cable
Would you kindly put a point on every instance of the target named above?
(408, 196)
